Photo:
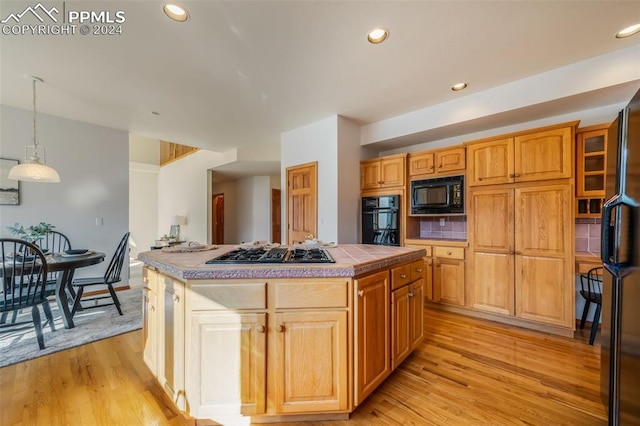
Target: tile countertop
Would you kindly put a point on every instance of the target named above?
(351, 260)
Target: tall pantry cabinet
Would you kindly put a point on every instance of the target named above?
(521, 227)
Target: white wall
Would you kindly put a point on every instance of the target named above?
(184, 189)
(143, 206)
(93, 163)
(349, 153)
(314, 142)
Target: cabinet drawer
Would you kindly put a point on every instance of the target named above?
(309, 294)
(400, 276)
(449, 252)
(417, 270)
(228, 296)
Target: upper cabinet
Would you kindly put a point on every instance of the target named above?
(383, 172)
(591, 161)
(441, 161)
(544, 154)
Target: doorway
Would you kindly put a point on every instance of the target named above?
(217, 219)
(276, 215)
(302, 202)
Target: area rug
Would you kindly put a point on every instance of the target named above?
(19, 343)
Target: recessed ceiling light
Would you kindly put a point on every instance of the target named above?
(176, 13)
(459, 86)
(378, 35)
(629, 31)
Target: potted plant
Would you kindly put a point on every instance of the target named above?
(33, 233)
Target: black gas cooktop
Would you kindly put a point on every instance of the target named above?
(273, 255)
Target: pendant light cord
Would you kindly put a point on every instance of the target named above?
(35, 143)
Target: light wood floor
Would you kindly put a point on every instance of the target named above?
(467, 372)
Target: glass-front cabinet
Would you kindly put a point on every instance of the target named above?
(590, 169)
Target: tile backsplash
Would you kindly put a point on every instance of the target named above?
(455, 228)
(588, 234)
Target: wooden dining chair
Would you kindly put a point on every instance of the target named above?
(111, 276)
(23, 274)
(591, 290)
(54, 242)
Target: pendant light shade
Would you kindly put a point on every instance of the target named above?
(34, 168)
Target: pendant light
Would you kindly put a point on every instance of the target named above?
(34, 168)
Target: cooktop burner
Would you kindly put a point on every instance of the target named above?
(274, 255)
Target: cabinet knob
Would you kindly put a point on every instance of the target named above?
(176, 298)
(518, 253)
(411, 294)
(448, 253)
(261, 329)
(280, 328)
(418, 269)
(403, 276)
(360, 293)
(511, 175)
(153, 308)
(516, 175)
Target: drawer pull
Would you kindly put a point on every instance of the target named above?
(448, 253)
(411, 294)
(176, 298)
(280, 328)
(261, 329)
(418, 270)
(360, 293)
(403, 276)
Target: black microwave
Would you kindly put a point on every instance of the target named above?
(438, 196)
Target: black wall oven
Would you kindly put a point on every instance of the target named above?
(381, 220)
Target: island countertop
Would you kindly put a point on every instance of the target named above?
(351, 260)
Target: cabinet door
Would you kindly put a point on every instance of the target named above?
(491, 281)
(422, 164)
(400, 318)
(311, 359)
(392, 172)
(490, 162)
(449, 281)
(150, 329)
(428, 278)
(227, 366)
(370, 175)
(171, 357)
(544, 155)
(450, 160)
(416, 313)
(544, 231)
(372, 351)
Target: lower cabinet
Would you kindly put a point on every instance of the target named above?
(372, 335)
(448, 275)
(163, 331)
(226, 349)
(227, 374)
(310, 350)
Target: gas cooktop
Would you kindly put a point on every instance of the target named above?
(273, 255)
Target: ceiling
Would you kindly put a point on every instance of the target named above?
(240, 73)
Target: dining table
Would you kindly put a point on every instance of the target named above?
(65, 265)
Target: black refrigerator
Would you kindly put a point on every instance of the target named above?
(620, 356)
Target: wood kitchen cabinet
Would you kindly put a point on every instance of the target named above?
(383, 172)
(591, 162)
(372, 336)
(448, 275)
(150, 318)
(229, 315)
(407, 310)
(521, 252)
(163, 325)
(282, 357)
(536, 155)
(441, 161)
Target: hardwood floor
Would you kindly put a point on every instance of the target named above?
(467, 372)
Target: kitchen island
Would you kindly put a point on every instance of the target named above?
(279, 342)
